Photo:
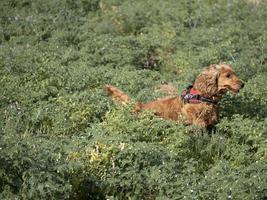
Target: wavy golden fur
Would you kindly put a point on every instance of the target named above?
(213, 82)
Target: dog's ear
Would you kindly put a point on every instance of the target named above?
(207, 81)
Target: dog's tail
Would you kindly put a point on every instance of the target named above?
(117, 95)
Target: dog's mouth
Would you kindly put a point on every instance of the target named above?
(234, 90)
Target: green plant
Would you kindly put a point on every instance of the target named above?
(61, 137)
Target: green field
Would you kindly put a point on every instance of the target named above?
(61, 137)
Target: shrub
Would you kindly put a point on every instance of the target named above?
(61, 137)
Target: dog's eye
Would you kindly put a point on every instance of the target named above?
(228, 75)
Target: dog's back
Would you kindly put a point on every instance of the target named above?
(168, 107)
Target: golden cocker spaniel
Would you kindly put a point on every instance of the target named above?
(198, 104)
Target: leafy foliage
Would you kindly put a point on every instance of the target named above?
(63, 138)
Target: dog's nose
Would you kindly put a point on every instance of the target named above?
(242, 84)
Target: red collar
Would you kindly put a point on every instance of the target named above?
(191, 95)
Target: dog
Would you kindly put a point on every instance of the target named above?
(198, 103)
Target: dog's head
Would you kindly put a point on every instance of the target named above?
(218, 79)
